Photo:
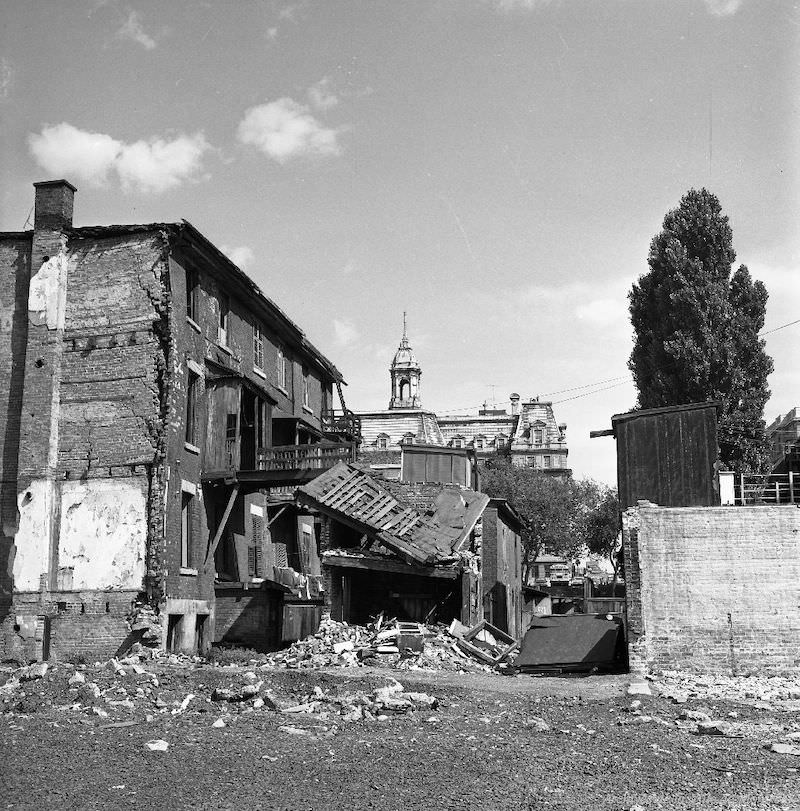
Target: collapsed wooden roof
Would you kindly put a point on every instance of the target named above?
(423, 536)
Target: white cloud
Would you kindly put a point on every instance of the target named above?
(320, 95)
(723, 8)
(345, 332)
(66, 150)
(285, 129)
(132, 30)
(603, 312)
(157, 164)
(154, 165)
(241, 256)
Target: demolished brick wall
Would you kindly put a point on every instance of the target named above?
(713, 589)
(89, 488)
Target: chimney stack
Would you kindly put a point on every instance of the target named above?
(53, 207)
(514, 403)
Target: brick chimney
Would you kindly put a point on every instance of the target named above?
(514, 403)
(53, 208)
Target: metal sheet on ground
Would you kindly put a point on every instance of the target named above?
(576, 641)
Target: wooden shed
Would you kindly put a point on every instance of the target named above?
(667, 455)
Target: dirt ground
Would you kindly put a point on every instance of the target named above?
(493, 742)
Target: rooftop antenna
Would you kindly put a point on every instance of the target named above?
(404, 325)
(493, 386)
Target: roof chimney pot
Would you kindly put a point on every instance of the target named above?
(53, 205)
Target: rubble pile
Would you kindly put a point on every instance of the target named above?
(682, 687)
(384, 644)
(126, 692)
(379, 704)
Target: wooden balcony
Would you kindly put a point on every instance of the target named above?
(318, 457)
(344, 424)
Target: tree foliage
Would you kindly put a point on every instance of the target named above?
(603, 531)
(696, 329)
(554, 509)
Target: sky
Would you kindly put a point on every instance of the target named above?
(496, 168)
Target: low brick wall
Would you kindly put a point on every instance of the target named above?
(713, 589)
(67, 625)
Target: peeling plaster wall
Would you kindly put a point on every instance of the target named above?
(31, 555)
(103, 533)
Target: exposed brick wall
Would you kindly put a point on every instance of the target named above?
(14, 278)
(714, 589)
(251, 617)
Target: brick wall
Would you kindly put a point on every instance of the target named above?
(713, 589)
(248, 617)
(14, 277)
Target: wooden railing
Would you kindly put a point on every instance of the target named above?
(320, 456)
(345, 423)
(748, 489)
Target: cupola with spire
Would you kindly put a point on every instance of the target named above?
(405, 374)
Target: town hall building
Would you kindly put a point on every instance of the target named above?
(527, 434)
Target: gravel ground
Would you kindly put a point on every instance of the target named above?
(493, 742)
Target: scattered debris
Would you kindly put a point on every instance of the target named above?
(784, 748)
(35, 671)
(403, 646)
(157, 745)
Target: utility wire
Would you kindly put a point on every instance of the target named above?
(587, 393)
(782, 326)
(623, 378)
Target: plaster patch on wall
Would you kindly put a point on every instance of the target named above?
(104, 532)
(32, 539)
(46, 293)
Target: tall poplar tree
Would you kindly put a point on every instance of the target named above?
(696, 329)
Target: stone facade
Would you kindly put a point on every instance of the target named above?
(140, 362)
(713, 589)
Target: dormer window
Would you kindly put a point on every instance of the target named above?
(500, 441)
(383, 442)
(537, 434)
(408, 438)
(458, 442)
(480, 443)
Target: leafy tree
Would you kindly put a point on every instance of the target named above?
(553, 509)
(603, 532)
(696, 329)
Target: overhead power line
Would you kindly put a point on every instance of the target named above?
(776, 329)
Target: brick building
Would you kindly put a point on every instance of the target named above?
(158, 412)
(528, 434)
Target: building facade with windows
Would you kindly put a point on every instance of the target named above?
(159, 412)
(527, 434)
